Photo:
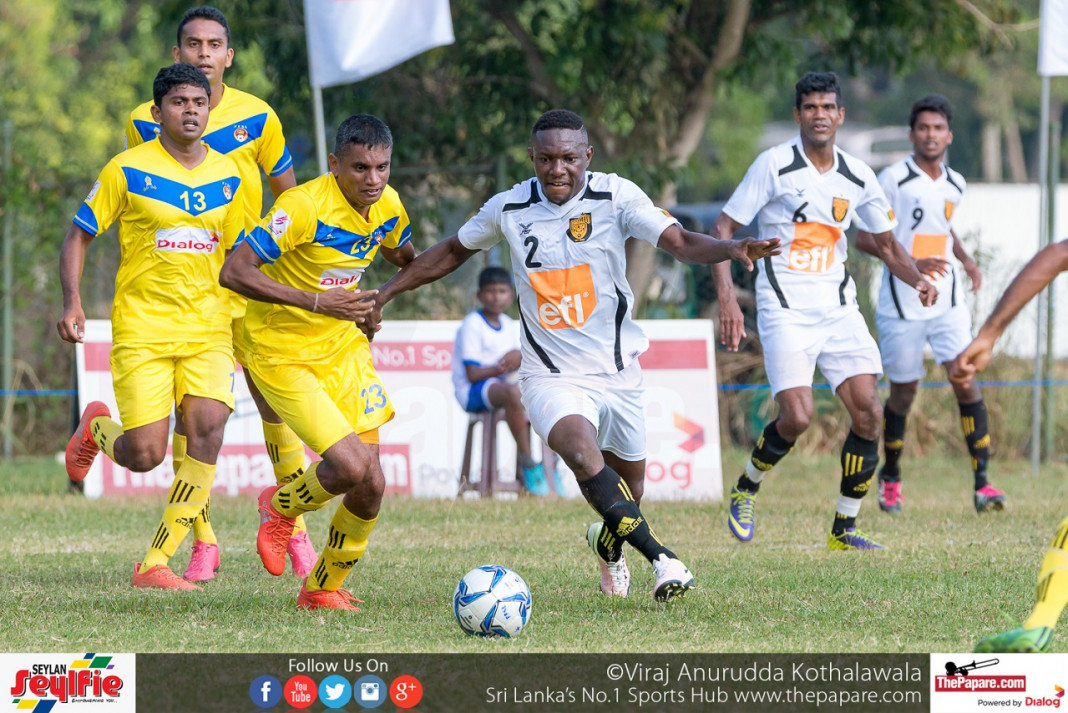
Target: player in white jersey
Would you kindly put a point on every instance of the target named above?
(580, 377)
(806, 191)
(925, 193)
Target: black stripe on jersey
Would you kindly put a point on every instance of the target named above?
(949, 180)
(897, 300)
(911, 174)
(534, 345)
(775, 283)
(534, 198)
(593, 195)
(621, 314)
(797, 164)
(953, 294)
(844, 170)
(842, 286)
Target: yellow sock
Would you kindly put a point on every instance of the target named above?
(304, 494)
(105, 432)
(1052, 594)
(287, 457)
(345, 546)
(202, 529)
(187, 497)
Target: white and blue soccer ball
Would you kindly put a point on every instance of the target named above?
(492, 600)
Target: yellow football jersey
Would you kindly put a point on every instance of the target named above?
(312, 239)
(244, 128)
(173, 224)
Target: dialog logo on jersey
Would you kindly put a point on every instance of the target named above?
(340, 277)
(839, 208)
(200, 241)
(812, 249)
(566, 298)
(579, 228)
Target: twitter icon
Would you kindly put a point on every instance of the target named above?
(335, 691)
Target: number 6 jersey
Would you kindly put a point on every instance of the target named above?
(569, 263)
(810, 211)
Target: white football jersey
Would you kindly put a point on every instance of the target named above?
(925, 208)
(480, 343)
(569, 263)
(810, 212)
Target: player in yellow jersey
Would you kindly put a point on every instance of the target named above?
(247, 130)
(301, 269)
(177, 203)
(1051, 597)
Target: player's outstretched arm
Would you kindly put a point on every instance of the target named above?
(698, 248)
(432, 264)
(1047, 263)
(71, 324)
(241, 273)
(901, 265)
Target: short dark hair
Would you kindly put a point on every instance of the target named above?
(931, 102)
(558, 119)
(174, 75)
(204, 12)
(494, 275)
(817, 83)
(362, 130)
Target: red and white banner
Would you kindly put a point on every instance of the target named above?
(350, 40)
(422, 446)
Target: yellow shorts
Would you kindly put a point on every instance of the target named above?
(150, 379)
(325, 401)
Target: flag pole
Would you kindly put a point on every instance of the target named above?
(320, 128)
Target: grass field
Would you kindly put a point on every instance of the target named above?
(949, 576)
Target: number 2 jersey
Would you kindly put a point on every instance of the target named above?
(314, 240)
(810, 212)
(174, 224)
(569, 263)
(925, 208)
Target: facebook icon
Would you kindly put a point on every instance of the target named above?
(265, 691)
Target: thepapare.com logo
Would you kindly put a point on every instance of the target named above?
(39, 687)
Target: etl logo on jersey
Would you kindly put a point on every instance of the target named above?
(566, 298)
(812, 249)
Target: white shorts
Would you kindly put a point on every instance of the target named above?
(613, 403)
(836, 339)
(901, 342)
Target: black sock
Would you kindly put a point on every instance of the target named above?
(770, 449)
(973, 421)
(893, 443)
(859, 460)
(611, 498)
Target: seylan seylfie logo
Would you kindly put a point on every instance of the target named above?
(91, 678)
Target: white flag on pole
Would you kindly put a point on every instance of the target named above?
(1053, 39)
(349, 40)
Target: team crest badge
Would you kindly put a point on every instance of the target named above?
(949, 210)
(240, 135)
(839, 208)
(579, 228)
(227, 192)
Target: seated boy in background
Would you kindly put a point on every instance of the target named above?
(485, 353)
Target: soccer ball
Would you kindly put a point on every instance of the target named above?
(492, 600)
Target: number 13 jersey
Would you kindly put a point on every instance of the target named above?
(569, 263)
(810, 211)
